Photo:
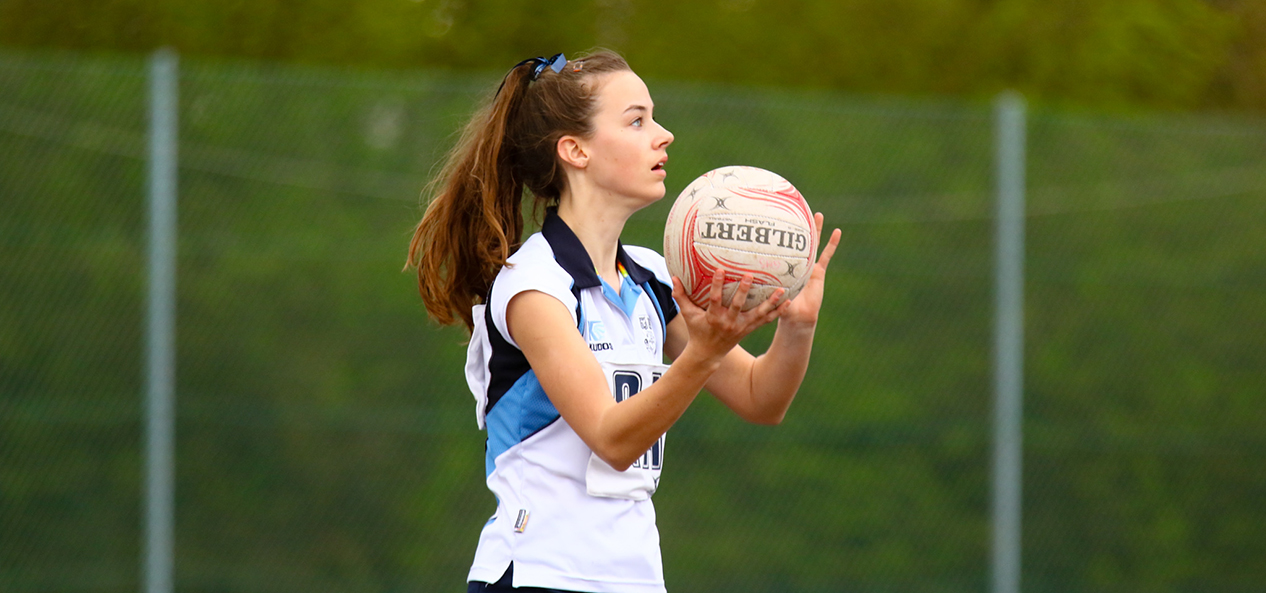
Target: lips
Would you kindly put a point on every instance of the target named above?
(660, 165)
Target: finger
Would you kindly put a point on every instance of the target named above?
(829, 251)
(770, 304)
(817, 223)
(740, 295)
(762, 313)
(777, 311)
(714, 294)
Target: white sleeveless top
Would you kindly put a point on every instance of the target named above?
(565, 518)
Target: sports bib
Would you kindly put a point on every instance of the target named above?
(640, 480)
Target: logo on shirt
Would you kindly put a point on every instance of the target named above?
(648, 334)
(520, 524)
(596, 334)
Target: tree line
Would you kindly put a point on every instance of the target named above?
(1121, 55)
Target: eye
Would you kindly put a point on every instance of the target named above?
(637, 122)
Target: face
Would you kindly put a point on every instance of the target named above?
(628, 150)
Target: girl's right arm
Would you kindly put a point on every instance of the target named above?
(574, 381)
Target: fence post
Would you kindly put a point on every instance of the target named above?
(1009, 113)
(161, 325)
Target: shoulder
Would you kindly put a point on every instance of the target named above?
(535, 251)
(532, 267)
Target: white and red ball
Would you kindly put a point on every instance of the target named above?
(747, 221)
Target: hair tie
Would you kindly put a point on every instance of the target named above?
(554, 62)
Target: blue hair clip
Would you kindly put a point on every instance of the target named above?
(554, 62)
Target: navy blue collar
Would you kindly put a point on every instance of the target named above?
(570, 253)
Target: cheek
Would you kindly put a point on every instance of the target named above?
(616, 155)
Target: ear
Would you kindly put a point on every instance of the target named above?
(571, 150)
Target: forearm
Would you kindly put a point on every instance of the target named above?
(629, 428)
(777, 374)
(705, 351)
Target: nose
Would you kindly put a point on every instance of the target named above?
(665, 137)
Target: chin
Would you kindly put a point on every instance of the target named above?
(644, 200)
(658, 195)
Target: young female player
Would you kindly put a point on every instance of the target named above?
(569, 328)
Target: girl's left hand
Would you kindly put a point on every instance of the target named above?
(803, 310)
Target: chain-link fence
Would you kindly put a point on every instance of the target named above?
(324, 433)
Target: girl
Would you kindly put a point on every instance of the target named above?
(569, 328)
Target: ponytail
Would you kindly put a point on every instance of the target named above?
(474, 221)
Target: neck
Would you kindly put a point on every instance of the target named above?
(598, 228)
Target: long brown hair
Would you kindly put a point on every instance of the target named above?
(474, 221)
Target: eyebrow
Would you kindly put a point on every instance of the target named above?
(635, 108)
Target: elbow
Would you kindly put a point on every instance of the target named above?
(769, 419)
(616, 457)
(621, 465)
(617, 462)
(769, 415)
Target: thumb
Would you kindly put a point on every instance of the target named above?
(683, 300)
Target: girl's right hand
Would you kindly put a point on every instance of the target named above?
(717, 329)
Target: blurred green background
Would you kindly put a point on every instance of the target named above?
(325, 436)
(1118, 54)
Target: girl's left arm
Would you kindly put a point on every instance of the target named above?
(760, 388)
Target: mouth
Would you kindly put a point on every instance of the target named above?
(660, 165)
